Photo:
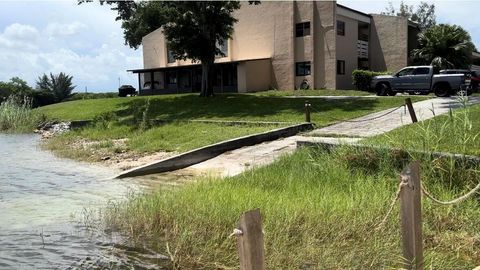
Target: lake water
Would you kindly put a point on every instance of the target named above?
(44, 205)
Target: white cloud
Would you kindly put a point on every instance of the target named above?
(22, 32)
(56, 29)
(84, 41)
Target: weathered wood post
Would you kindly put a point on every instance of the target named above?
(411, 111)
(250, 241)
(411, 216)
(307, 111)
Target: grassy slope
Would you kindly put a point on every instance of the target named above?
(457, 133)
(228, 107)
(119, 118)
(319, 210)
(321, 92)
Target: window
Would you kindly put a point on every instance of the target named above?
(340, 28)
(223, 47)
(340, 67)
(302, 68)
(170, 58)
(421, 71)
(302, 29)
(405, 72)
(171, 77)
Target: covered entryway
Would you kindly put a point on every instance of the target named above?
(185, 79)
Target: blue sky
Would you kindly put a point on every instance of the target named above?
(85, 41)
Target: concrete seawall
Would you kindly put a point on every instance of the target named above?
(205, 153)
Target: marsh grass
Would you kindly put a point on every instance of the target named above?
(16, 115)
(319, 210)
(456, 132)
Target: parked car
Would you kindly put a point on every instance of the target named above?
(126, 90)
(421, 80)
(474, 75)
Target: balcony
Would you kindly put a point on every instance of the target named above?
(362, 49)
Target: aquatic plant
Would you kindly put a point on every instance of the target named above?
(16, 115)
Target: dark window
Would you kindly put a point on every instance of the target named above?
(340, 67)
(302, 68)
(171, 77)
(405, 72)
(223, 47)
(340, 28)
(421, 71)
(303, 29)
(170, 58)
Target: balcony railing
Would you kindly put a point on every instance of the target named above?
(362, 49)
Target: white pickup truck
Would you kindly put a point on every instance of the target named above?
(421, 80)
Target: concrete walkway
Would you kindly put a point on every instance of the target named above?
(235, 162)
(375, 124)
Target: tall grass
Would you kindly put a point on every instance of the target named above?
(16, 115)
(319, 210)
(456, 132)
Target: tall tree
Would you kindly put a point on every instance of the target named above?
(423, 14)
(193, 29)
(445, 46)
(59, 84)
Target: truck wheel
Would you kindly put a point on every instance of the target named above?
(441, 90)
(383, 89)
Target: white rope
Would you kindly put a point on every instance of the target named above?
(392, 204)
(236, 232)
(457, 200)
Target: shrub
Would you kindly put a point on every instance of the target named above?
(363, 78)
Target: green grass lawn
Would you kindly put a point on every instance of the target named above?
(319, 210)
(455, 133)
(221, 107)
(320, 92)
(126, 118)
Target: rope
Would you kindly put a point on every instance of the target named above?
(362, 120)
(392, 204)
(457, 200)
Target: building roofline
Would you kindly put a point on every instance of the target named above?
(354, 10)
(190, 65)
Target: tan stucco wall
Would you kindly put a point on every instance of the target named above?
(154, 51)
(268, 31)
(325, 44)
(388, 43)
(258, 75)
(347, 51)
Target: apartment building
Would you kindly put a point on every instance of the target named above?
(279, 45)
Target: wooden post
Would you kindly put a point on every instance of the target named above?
(307, 111)
(408, 102)
(250, 241)
(411, 216)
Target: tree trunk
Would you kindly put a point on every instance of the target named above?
(207, 86)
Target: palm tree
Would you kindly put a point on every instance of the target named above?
(58, 84)
(445, 46)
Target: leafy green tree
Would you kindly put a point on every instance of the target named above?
(424, 14)
(192, 28)
(59, 84)
(445, 46)
(15, 86)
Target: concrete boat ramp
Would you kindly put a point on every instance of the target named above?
(236, 158)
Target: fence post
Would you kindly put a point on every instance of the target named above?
(411, 216)
(250, 241)
(307, 111)
(408, 102)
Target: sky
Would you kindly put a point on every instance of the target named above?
(85, 41)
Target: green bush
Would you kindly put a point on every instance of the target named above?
(16, 115)
(363, 78)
